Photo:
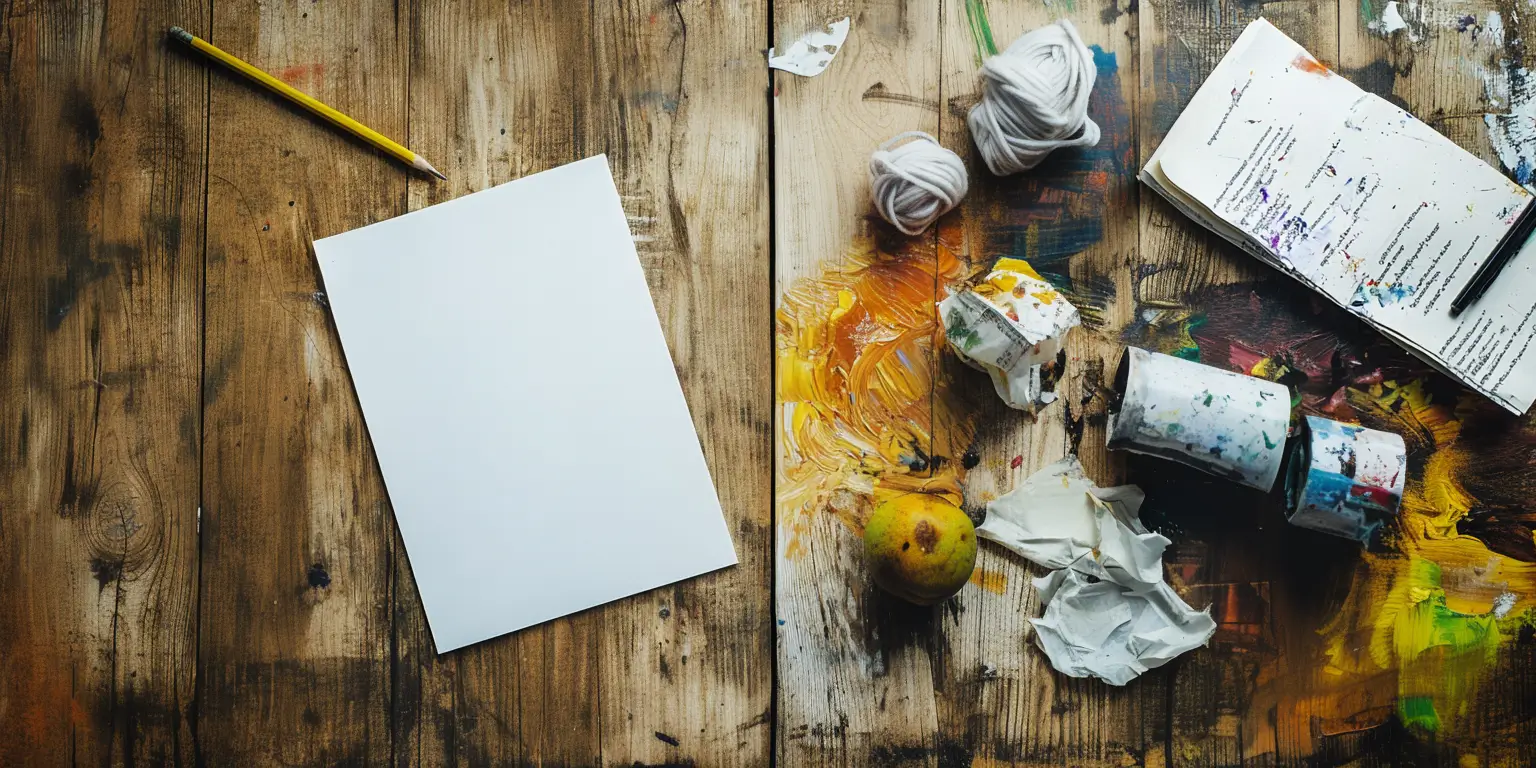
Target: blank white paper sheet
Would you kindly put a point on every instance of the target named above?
(522, 404)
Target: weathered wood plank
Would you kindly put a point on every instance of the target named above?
(1075, 219)
(674, 94)
(295, 625)
(1230, 545)
(855, 666)
(497, 93)
(687, 670)
(101, 183)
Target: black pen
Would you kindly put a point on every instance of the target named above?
(1509, 245)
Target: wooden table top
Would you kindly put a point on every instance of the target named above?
(198, 564)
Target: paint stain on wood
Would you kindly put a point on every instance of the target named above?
(992, 581)
(318, 577)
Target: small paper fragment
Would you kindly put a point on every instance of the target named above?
(1108, 612)
(810, 55)
(1010, 325)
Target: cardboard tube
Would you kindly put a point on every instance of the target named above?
(1345, 479)
(1224, 423)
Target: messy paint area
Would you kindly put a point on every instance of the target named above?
(865, 412)
(1432, 617)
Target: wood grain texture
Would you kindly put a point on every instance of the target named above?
(1074, 218)
(674, 94)
(296, 560)
(101, 187)
(165, 345)
(1231, 563)
(498, 93)
(856, 676)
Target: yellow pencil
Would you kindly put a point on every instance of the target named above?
(306, 101)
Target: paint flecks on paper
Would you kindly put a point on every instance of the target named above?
(1011, 326)
(1344, 479)
(1217, 421)
(1371, 293)
(810, 55)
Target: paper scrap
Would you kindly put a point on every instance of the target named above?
(810, 55)
(1108, 612)
(1010, 325)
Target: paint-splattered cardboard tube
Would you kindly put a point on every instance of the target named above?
(1345, 479)
(1224, 423)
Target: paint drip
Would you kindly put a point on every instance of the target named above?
(1345, 479)
(1217, 421)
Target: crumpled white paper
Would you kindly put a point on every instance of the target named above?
(810, 55)
(1108, 612)
(1010, 326)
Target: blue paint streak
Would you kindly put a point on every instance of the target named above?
(1523, 171)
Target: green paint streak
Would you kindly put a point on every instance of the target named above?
(1208, 398)
(1418, 712)
(1443, 653)
(1365, 11)
(981, 30)
(1268, 443)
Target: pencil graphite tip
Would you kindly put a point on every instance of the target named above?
(181, 34)
(421, 164)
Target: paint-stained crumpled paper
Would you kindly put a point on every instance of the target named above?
(1010, 325)
(810, 55)
(1108, 612)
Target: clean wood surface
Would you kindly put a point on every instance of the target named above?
(198, 563)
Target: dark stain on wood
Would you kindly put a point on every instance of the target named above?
(665, 739)
(879, 92)
(107, 570)
(81, 118)
(23, 436)
(216, 375)
(318, 577)
(77, 497)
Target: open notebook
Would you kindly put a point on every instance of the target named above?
(1359, 200)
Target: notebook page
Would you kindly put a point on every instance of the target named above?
(1364, 203)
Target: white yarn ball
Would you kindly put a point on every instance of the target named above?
(1035, 99)
(915, 180)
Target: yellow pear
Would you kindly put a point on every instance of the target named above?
(920, 548)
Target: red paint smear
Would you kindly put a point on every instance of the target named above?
(301, 72)
(1018, 461)
(1243, 357)
(1308, 64)
(1378, 496)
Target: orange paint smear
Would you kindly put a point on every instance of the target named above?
(302, 73)
(863, 412)
(995, 582)
(1310, 65)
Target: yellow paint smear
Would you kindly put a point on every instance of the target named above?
(1408, 641)
(864, 413)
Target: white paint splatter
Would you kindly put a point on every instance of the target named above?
(1503, 604)
(1512, 131)
(1391, 21)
